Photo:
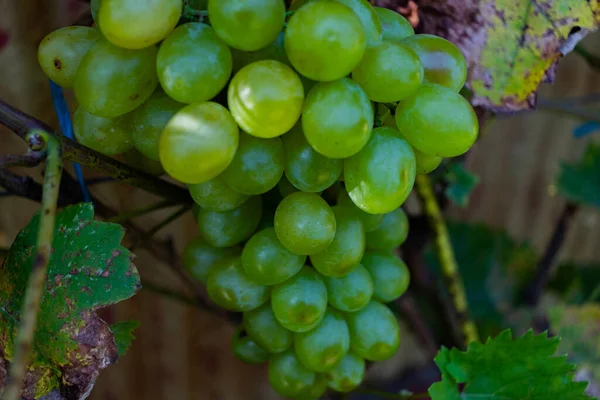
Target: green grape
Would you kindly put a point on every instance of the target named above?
(247, 25)
(443, 63)
(139, 161)
(229, 287)
(60, 53)
(193, 64)
(246, 349)
(368, 18)
(347, 248)
(391, 232)
(316, 391)
(324, 40)
(267, 262)
(94, 6)
(337, 119)
(288, 376)
(266, 98)
(285, 187)
(199, 257)
(257, 165)
(374, 332)
(112, 81)
(348, 374)
(370, 221)
(380, 177)
(324, 346)
(304, 223)
(390, 275)
(437, 121)
(224, 229)
(215, 195)
(389, 72)
(262, 326)
(149, 120)
(425, 162)
(394, 26)
(299, 303)
(137, 24)
(108, 136)
(350, 292)
(198, 143)
(306, 169)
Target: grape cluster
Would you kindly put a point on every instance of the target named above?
(276, 128)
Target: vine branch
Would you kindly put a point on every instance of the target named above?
(30, 159)
(446, 257)
(37, 277)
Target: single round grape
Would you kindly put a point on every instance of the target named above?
(374, 332)
(193, 64)
(299, 303)
(224, 229)
(304, 223)
(368, 18)
(134, 24)
(267, 262)
(389, 72)
(394, 26)
(443, 63)
(288, 376)
(324, 346)
(247, 350)
(199, 142)
(391, 232)
(285, 187)
(229, 287)
(390, 275)
(306, 169)
(247, 25)
(425, 162)
(262, 326)
(324, 40)
(108, 136)
(139, 161)
(216, 195)
(380, 177)
(149, 120)
(199, 257)
(437, 121)
(337, 119)
(370, 221)
(60, 53)
(347, 248)
(112, 81)
(316, 391)
(266, 98)
(257, 165)
(350, 292)
(348, 374)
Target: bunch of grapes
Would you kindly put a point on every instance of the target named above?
(273, 121)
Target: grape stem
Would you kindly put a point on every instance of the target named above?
(192, 14)
(159, 226)
(30, 159)
(22, 124)
(446, 257)
(37, 277)
(140, 211)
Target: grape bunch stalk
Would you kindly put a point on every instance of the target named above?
(271, 117)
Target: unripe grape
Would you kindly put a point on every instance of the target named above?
(391, 232)
(390, 275)
(369, 19)
(370, 221)
(266, 331)
(394, 26)
(108, 136)
(350, 292)
(246, 349)
(374, 332)
(288, 376)
(199, 257)
(347, 374)
(215, 195)
(139, 161)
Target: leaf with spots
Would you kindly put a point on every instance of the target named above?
(88, 270)
(511, 46)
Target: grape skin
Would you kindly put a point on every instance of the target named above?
(394, 26)
(262, 326)
(350, 292)
(288, 376)
(199, 257)
(390, 275)
(108, 136)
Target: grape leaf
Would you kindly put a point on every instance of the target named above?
(507, 369)
(580, 183)
(511, 46)
(461, 183)
(123, 332)
(88, 269)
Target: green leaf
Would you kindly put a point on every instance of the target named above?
(511, 46)
(491, 264)
(461, 184)
(506, 369)
(577, 283)
(123, 332)
(580, 183)
(88, 270)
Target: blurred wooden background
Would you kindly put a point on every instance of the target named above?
(182, 353)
